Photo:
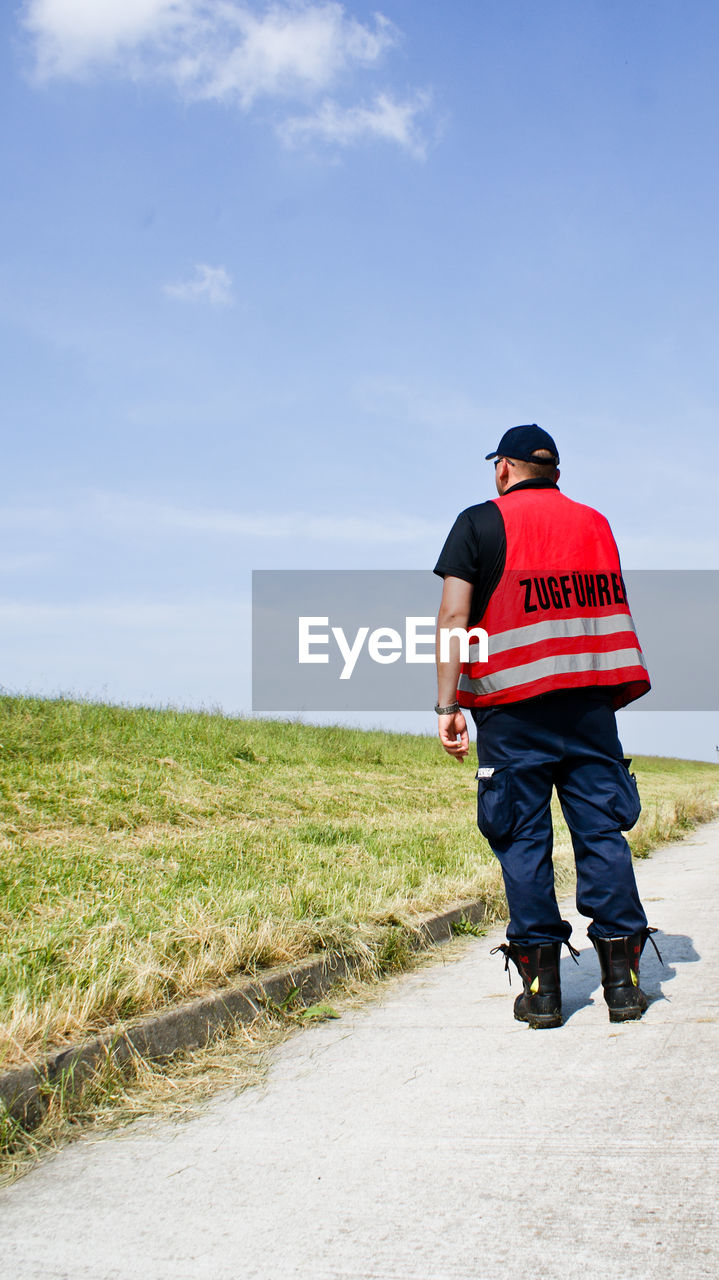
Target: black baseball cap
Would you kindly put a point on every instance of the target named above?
(522, 442)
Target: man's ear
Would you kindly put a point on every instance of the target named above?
(501, 475)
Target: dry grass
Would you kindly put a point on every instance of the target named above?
(149, 855)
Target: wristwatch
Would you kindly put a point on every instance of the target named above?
(447, 711)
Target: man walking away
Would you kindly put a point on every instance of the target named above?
(541, 574)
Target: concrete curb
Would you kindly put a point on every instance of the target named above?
(24, 1091)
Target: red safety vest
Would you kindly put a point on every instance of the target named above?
(558, 618)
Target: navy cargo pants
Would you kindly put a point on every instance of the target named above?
(569, 741)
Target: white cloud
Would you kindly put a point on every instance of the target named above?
(288, 51)
(117, 513)
(297, 526)
(214, 48)
(209, 284)
(128, 614)
(386, 119)
(231, 51)
(72, 35)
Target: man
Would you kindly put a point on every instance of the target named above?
(541, 575)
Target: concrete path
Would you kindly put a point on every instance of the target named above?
(428, 1135)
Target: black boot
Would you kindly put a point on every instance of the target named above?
(540, 1004)
(619, 962)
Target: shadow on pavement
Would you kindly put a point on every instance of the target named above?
(581, 983)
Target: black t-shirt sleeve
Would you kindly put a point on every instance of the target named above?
(459, 557)
(475, 550)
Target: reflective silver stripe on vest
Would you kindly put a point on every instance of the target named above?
(560, 629)
(558, 664)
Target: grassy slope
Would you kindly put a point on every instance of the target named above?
(148, 854)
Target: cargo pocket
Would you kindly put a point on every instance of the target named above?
(495, 802)
(627, 805)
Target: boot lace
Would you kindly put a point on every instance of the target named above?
(506, 952)
(648, 936)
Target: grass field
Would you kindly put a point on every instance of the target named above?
(148, 855)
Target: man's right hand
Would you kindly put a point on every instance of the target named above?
(453, 734)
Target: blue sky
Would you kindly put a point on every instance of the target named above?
(274, 278)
